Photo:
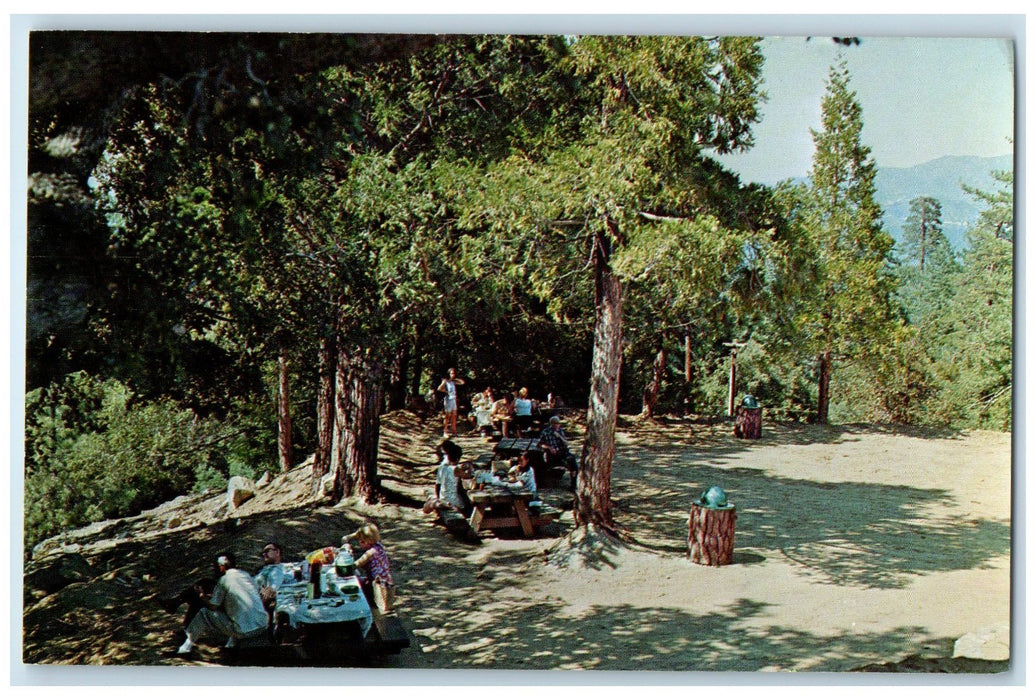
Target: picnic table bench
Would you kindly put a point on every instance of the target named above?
(501, 506)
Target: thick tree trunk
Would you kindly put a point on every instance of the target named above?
(325, 412)
(358, 419)
(654, 385)
(824, 387)
(283, 413)
(593, 487)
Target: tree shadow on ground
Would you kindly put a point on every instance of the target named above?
(845, 533)
(517, 634)
(718, 432)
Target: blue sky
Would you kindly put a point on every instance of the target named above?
(922, 98)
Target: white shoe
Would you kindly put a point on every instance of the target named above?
(186, 647)
(231, 643)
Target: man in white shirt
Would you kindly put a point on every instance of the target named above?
(273, 575)
(233, 611)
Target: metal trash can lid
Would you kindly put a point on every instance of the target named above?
(714, 497)
(749, 401)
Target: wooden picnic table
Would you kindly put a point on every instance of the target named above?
(341, 600)
(512, 447)
(501, 506)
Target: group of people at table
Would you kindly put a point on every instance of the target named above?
(234, 605)
(450, 493)
(512, 415)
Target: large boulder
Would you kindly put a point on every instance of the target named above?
(239, 490)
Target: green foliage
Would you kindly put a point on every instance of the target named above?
(974, 356)
(93, 452)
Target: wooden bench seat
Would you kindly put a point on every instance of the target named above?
(392, 636)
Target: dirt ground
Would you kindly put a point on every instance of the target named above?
(857, 548)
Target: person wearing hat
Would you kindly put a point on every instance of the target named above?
(554, 444)
(233, 610)
(272, 576)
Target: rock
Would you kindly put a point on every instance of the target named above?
(55, 573)
(239, 490)
(264, 480)
(173, 522)
(327, 484)
(990, 643)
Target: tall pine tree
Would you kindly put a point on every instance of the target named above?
(850, 307)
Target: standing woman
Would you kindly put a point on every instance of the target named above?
(449, 387)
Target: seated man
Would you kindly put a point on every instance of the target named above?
(273, 575)
(233, 611)
(191, 595)
(555, 448)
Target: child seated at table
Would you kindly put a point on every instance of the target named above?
(522, 475)
(373, 567)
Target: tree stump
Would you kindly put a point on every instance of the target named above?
(710, 538)
(748, 423)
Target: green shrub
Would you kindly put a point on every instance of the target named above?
(93, 453)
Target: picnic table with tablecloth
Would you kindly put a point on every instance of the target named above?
(341, 600)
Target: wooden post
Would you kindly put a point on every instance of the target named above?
(733, 382)
(687, 358)
(710, 537)
(732, 389)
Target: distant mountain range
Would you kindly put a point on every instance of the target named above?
(941, 179)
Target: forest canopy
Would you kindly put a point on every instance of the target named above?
(244, 248)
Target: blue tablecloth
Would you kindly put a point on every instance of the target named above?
(341, 600)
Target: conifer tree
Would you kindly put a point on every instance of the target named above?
(850, 307)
